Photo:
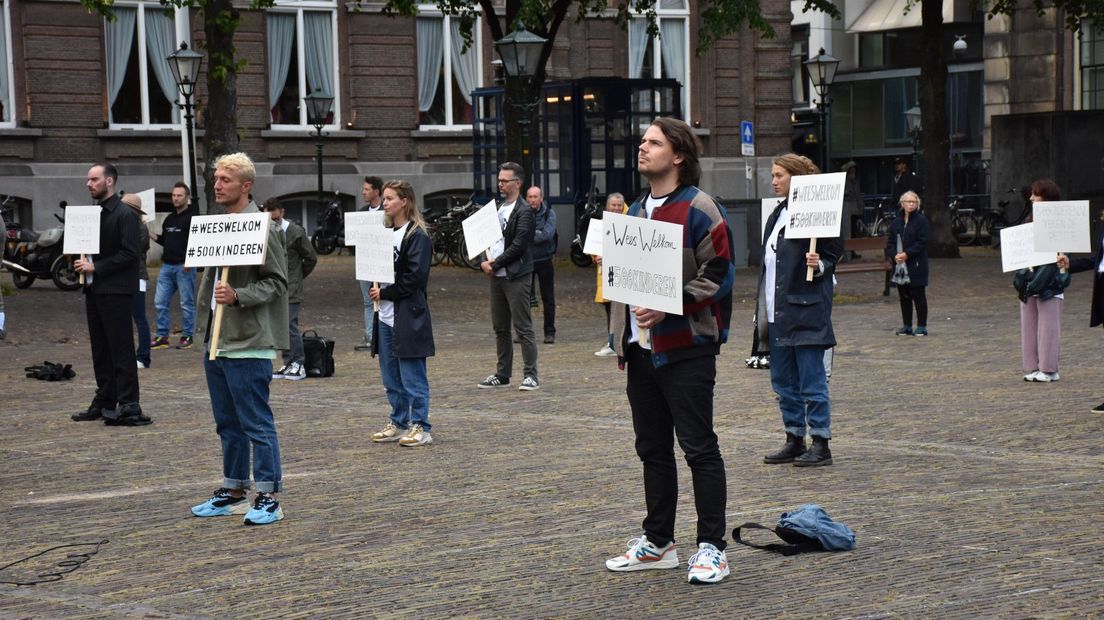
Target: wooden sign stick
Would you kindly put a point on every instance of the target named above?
(217, 327)
(82, 273)
(375, 304)
(812, 250)
(1063, 269)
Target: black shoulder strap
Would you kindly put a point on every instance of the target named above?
(785, 549)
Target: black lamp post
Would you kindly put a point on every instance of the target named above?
(184, 64)
(912, 120)
(318, 113)
(520, 52)
(822, 71)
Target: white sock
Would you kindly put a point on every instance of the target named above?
(1, 320)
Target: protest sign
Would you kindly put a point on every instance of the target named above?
(482, 229)
(227, 240)
(593, 245)
(1018, 248)
(1061, 226)
(766, 207)
(375, 254)
(149, 204)
(815, 208)
(642, 262)
(82, 230)
(357, 221)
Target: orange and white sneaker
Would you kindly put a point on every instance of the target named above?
(642, 555)
(708, 565)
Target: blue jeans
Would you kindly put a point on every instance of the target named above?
(173, 278)
(138, 311)
(369, 309)
(798, 377)
(406, 383)
(243, 419)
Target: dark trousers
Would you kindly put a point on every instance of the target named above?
(112, 339)
(543, 271)
(913, 295)
(141, 323)
(676, 400)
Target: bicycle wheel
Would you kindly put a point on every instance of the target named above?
(965, 229)
(881, 227)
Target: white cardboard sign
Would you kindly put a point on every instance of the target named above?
(1062, 226)
(227, 240)
(356, 222)
(82, 230)
(1018, 248)
(593, 245)
(816, 205)
(149, 204)
(375, 254)
(482, 229)
(766, 207)
(642, 262)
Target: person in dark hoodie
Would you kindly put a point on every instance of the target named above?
(1041, 294)
(796, 315)
(544, 247)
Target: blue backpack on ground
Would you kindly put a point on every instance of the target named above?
(809, 528)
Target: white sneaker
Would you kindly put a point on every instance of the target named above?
(279, 374)
(1031, 375)
(141, 365)
(417, 436)
(389, 433)
(708, 565)
(295, 372)
(528, 384)
(643, 555)
(605, 351)
(1045, 377)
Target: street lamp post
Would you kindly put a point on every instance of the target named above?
(912, 120)
(520, 52)
(318, 112)
(184, 64)
(822, 71)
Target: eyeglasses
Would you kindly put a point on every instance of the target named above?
(505, 181)
(909, 202)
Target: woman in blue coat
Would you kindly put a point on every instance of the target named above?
(912, 227)
(402, 330)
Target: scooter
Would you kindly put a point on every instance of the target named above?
(30, 254)
(591, 209)
(330, 233)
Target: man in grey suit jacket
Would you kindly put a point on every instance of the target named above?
(509, 265)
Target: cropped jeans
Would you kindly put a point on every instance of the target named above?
(406, 382)
(244, 421)
(798, 377)
(173, 278)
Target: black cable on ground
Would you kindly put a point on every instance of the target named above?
(72, 562)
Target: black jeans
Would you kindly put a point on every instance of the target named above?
(910, 295)
(677, 400)
(112, 338)
(542, 270)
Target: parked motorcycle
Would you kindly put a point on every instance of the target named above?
(330, 233)
(39, 253)
(592, 209)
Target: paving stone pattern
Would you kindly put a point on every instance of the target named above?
(972, 493)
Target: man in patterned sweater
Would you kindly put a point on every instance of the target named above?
(671, 373)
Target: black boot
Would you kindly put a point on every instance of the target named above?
(88, 415)
(793, 448)
(819, 454)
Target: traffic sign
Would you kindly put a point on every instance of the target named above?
(747, 139)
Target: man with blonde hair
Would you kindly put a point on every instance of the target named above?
(254, 331)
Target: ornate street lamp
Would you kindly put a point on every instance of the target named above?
(184, 64)
(822, 71)
(318, 114)
(520, 52)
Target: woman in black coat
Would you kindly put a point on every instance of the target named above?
(912, 228)
(402, 330)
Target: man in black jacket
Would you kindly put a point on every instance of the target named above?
(111, 281)
(509, 264)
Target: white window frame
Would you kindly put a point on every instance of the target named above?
(298, 7)
(9, 105)
(143, 63)
(657, 50)
(1078, 85)
(431, 10)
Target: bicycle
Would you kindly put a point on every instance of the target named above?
(965, 226)
(447, 235)
(882, 218)
(991, 221)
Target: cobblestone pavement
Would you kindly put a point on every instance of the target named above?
(972, 493)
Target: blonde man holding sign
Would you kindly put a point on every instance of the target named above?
(672, 374)
(110, 283)
(794, 315)
(254, 330)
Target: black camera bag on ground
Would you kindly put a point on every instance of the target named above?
(318, 354)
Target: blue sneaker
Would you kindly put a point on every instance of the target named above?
(265, 510)
(222, 504)
(921, 331)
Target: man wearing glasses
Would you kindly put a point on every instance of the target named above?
(509, 264)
